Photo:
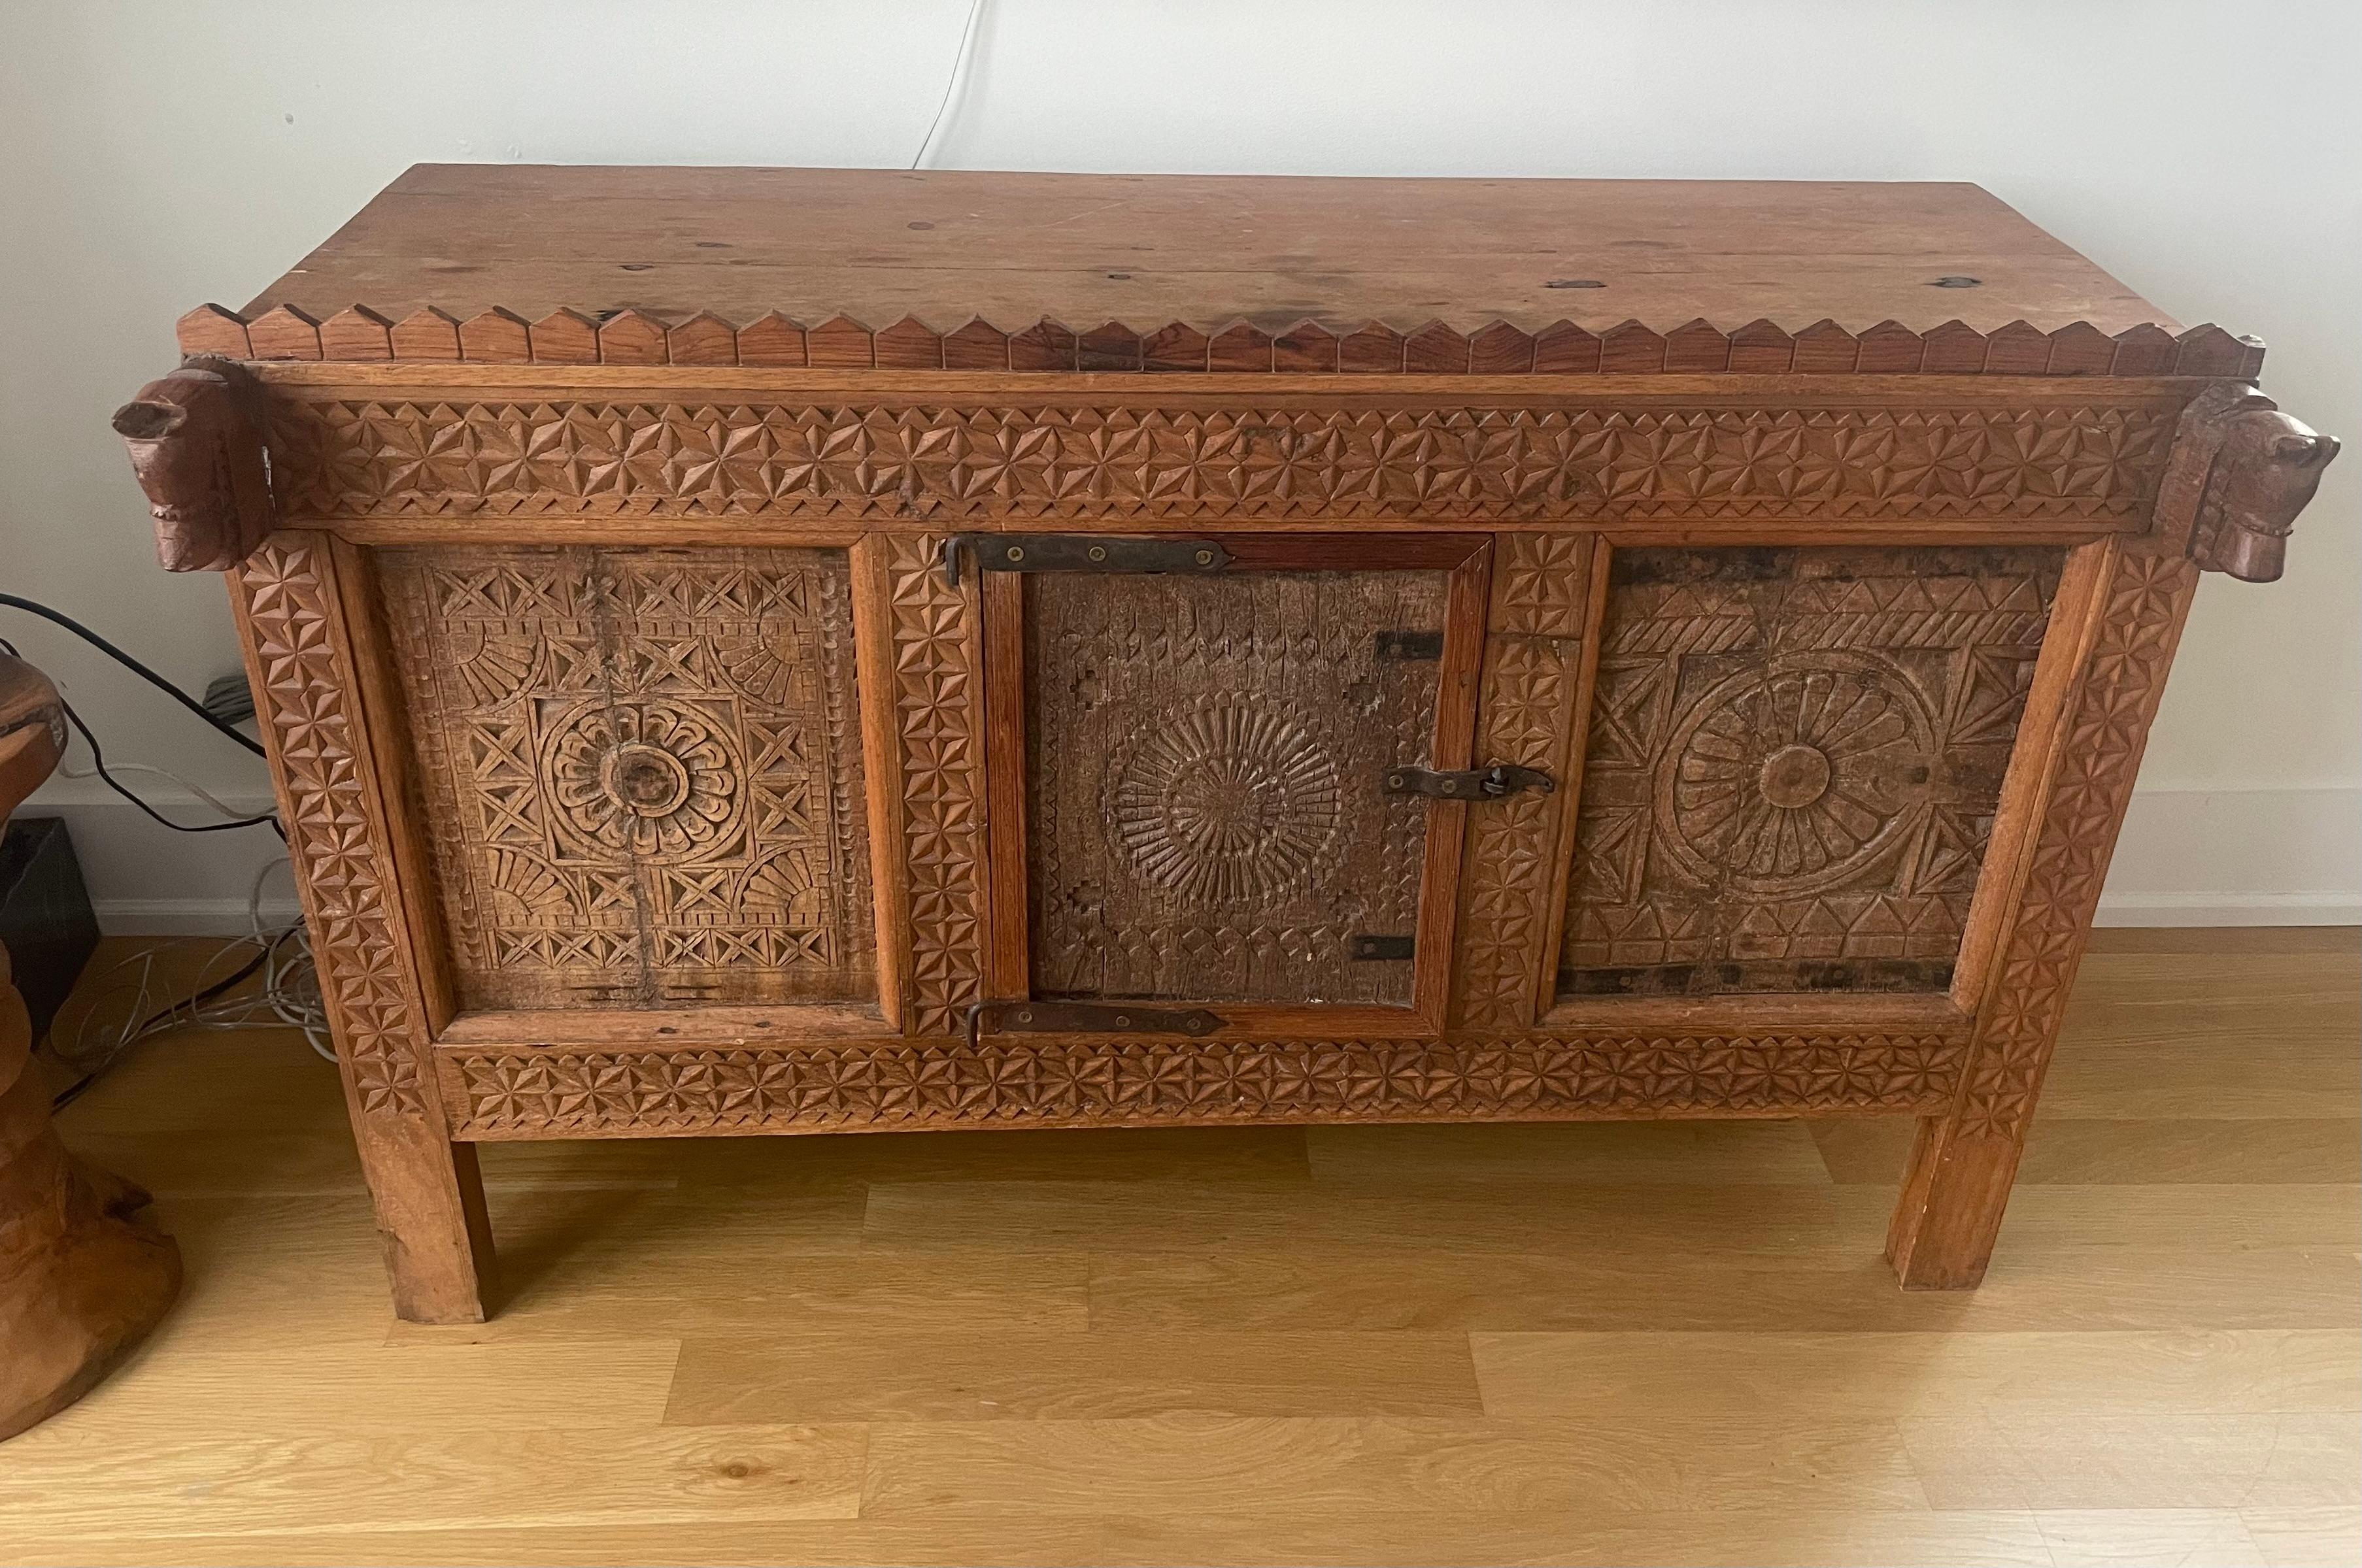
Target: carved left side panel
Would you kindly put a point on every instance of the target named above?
(641, 772)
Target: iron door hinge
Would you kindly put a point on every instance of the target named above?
(1503, 779)
(1080, 552)
(1085, 1018)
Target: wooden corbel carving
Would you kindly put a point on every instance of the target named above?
(195, 441)
(2240, 472)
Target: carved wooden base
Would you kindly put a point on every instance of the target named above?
(83, 1275)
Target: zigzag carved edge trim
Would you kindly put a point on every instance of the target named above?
(497, 335)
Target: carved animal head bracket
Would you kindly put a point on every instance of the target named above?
(2241, 471)
(195, 440)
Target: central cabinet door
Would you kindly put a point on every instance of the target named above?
(1198, 802)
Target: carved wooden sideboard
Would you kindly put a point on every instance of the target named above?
(783, 651)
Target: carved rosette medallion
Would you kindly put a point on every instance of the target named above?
(1205, 754)
(657, 782)
(1224, 799)
(1794, 763)
(640, 771)
(1793, 777)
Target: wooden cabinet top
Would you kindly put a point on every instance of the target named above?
(866, 268)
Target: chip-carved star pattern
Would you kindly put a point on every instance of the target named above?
(536, 679)
(336, 831)
(1524, 714)
(462, 456)
(1055, 1081)
(2147, 598)
(936, 691)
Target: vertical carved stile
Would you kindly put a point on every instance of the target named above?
(1528, 713)
(937, 695)
(338, 836)
(2145, 601)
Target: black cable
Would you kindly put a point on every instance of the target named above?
(74, 1091)
(34, 606)
(98, 761)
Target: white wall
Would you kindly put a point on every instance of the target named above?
(153, 156)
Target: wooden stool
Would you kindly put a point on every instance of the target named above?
(83, 1273)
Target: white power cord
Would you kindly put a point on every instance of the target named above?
(65, 771)
(286, 993)
(958, 80)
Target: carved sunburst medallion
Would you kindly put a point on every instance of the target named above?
(1793, 777)
(656, 780)
(1224, 799)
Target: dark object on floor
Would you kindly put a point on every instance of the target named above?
(45, 916)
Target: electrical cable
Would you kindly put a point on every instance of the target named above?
(75, 1090)
(958, 80)
(98, 761)
(35, 607)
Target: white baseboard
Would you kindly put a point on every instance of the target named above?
(2209, 908)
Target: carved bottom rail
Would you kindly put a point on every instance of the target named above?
(562, 1092)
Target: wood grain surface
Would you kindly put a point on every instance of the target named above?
(821, 245)
(1566, 1344)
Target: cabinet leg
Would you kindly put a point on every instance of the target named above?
(431, 1220)
(1954, 1191)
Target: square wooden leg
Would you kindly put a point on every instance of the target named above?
(430, 1218)
(1963, 1162)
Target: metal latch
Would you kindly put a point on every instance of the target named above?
(1080, 552)
(1377, 948)
(1085, 1018)
(1475, 784)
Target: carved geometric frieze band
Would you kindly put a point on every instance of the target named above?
(1526, 715)
(338, 836)
(633, 337)
(936, 691)
(2096, 464)
(2145, 601)
(555, 1092)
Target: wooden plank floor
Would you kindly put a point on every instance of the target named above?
(1606, 1343)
